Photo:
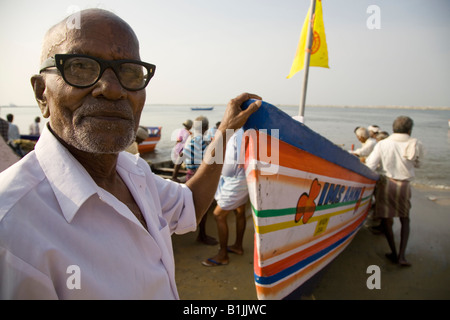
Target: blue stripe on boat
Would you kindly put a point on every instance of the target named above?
(299, 135)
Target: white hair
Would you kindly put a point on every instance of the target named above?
(362, 132)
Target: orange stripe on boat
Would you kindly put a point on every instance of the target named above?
(288, 156)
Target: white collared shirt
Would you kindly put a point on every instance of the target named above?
(60, 231)
(391, 155)
(366, 148)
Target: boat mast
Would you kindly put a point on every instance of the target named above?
(309, 40)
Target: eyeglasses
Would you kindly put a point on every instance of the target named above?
(82, 71)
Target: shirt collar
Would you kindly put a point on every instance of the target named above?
(400, 137)
(71, 183)
(69, 180)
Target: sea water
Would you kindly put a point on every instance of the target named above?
(337, 124)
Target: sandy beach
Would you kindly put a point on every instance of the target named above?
(345, 278)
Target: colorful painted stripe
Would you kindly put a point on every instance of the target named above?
(294, 259)
(270, 213)
(285, 287)
(270, 279)
(292, 224)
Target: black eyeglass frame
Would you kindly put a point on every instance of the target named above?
(59, 60)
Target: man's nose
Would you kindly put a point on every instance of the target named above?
(109, 86)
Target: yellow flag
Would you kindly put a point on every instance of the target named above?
(319, 50)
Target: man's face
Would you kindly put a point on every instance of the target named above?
(104, 117)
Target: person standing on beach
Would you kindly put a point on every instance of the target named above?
(13, 130)
(183, 135)
(397, 157)
(80, 218)
(231, 195)
(193, 153)
(34, 127)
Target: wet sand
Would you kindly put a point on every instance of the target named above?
(345, 278)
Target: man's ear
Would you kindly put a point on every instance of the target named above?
(38, 84)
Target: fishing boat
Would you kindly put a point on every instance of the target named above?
(149, 144)
(202, 108)
(309, 197)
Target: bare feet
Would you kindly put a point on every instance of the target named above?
(404, 263)
(235, 250)
(401, 261)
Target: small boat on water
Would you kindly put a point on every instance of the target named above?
(309, 197)
(202, 108)
(149, 144)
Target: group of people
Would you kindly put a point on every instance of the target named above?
(368, 137)
(394, 157)
(231, 194)
(11, 134)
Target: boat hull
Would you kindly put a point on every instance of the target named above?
(149, 144)
(202, 108)
(308, 198)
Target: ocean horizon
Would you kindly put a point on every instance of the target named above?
(336, 123)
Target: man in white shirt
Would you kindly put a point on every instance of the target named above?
(397, 157)
(79, 218)
(367, 143)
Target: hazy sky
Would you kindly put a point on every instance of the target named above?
(208, 51)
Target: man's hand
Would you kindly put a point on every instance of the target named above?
(235, 117)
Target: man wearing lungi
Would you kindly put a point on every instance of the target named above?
(397, 157)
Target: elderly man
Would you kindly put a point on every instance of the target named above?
(80, 219)
(397, 157)
(367, 143)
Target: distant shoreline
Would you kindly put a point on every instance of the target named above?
(373, 107)
(287, 106)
